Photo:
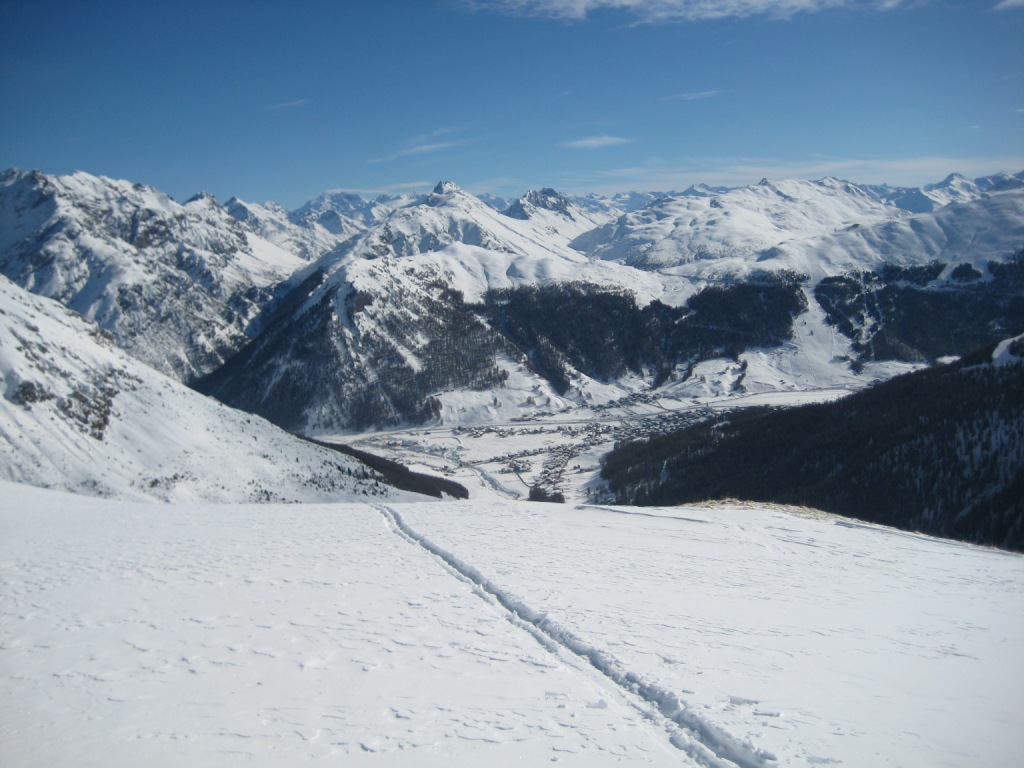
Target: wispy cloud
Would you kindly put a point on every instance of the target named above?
(595, 142)
(418, 149)
(654, 11)
(434, 135)
(286, 105)
(740, 171)
(385, 188)
(692, 96)
(1006, 5)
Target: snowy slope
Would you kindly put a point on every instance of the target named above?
(79, 414)
(681, 229)
(346, 213)
(819, 228)
(541, 225)
(387, 321)
(974, 232)
(273, 223)
(372, 331)
(955, 188)
(175, 284)
(808, 640)
(497, 634)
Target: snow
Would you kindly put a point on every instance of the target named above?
(174, 283)
(472, 633)
(393, 247)
(818, 228)
(273, 224)
(680, 229)
(365, 628)
(1008, 351)
(78, 414)
(973, 232)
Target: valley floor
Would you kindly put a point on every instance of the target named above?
(558, 452)
(498, 633)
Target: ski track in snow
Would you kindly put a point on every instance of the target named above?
(135, 634)
(497, 633)
(765, 631)
(708, 745)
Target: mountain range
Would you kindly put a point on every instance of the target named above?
(80, 414)
(351, 314)
(389, 325)
(590, 349)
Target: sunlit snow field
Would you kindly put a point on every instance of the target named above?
(498, 633)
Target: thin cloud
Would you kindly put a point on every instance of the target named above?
(595, 142)
(383, 189)
(435, 134)
(741, 171)
(287, 105)
(1006, 5)
(654, 11)
(692, 96)
(419, 149)
(906, 171)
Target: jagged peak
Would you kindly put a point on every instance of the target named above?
(446, 187)
(202, 197)
(11, 174)
(448, 193)
(546, 198)
(16, 175)
(700, 190)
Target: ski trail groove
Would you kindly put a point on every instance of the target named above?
(701, 740)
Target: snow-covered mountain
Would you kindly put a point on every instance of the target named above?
(539, 224)
(79, 414)
(373, 329)
(716, 230)
(345, 214)
(176, 284)
(354, 313)
(955, 188)
(974, 232)
(680, 229)
(418, 305)
(270, 221)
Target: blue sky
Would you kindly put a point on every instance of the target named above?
(280, 101)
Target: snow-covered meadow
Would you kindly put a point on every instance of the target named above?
(465, 633)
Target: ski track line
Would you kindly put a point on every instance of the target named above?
(704, 742)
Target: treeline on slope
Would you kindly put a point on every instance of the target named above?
(311, 368)
(336, 357)
(940, 451)
(319, 365)
(906, 313)
(604, 334)
(398, 475)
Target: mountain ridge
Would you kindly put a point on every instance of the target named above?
(79, 414)
(396, 316)
(939, 451)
